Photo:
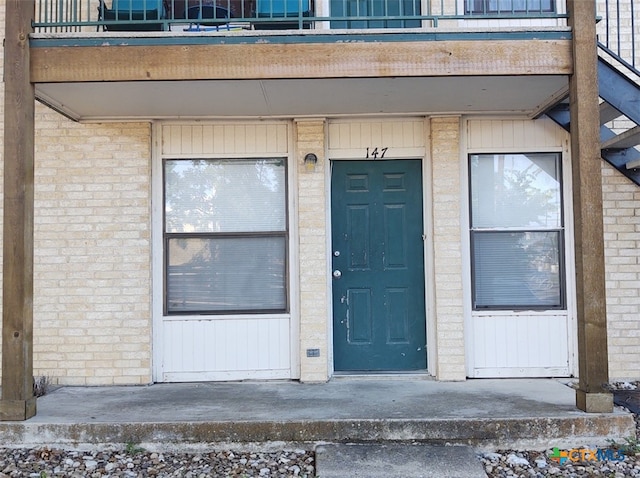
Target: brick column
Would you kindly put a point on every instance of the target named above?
(312, 232)
(447, 247)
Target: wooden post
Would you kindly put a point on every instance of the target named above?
(18, 402)
(593, 359)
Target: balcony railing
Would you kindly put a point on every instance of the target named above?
(216, 15)
(618, 29)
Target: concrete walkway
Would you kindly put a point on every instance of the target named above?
(487, 414)
(395, 460)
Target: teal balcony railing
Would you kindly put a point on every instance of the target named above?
(207, 15)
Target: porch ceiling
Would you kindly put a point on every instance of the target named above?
(146, 100)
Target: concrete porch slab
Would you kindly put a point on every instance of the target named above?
(488, 414)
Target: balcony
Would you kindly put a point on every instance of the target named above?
(94, 60)
(233, 15)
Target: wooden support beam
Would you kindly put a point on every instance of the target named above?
(304, 60)
(18, 402)
(593, 360)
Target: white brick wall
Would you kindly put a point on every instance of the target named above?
(92, 321)
(621, 202)
(310, 138)
(445, 159)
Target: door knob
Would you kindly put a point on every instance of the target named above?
(337, 274)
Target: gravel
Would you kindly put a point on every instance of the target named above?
(538, 464)
(137, 463)
(512, 464)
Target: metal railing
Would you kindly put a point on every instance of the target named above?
(198, 15)
(618, 29)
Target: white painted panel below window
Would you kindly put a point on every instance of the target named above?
(520, 345)
(226, 348)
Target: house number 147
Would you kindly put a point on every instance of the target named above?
(376, 153)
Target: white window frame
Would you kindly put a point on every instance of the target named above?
(564, 148)
(235, 234)
(479, 230)
(159, 319)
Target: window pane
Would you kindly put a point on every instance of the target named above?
(517, 269)
(225, 195)
(480, 7)
(516, 190)
(226, 274)
(377, 8)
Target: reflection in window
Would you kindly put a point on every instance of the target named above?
(225, 236)
(375, 8)
(517, 234)
(497, 7)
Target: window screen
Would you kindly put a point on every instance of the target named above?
(225, 236)
(517, 234)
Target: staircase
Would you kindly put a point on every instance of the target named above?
(619, 88)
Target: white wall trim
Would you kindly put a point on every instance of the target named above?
(567, 194)
(429, 268)
(159, 372)
(294, 254)
(465, 243)
(157, 253)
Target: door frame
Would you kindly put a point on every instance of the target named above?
(421, 153)
(360, 357)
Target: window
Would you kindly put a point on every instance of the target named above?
(496, 7)
(517, 234)
(225, 235)
(375, 8)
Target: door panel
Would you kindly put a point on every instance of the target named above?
(378, 264)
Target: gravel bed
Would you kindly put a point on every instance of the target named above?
(538, 464)
(137, 463)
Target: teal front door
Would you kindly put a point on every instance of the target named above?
(378, 266)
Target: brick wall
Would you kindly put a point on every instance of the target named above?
(445, 159)
(92, 320)
(92, 261)
(621, 202)
(621, 223)
(310, 138)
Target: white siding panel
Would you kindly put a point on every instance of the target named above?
(501, 135)
(402, 137)
(197, 349)
(225, 139)
(520, 345)
(363, 134)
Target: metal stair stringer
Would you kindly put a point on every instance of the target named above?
(621, 99)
